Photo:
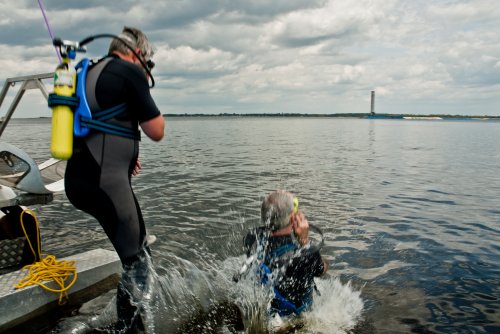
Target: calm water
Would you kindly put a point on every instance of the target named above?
(409, 210)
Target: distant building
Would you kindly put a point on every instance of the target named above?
(372, 111)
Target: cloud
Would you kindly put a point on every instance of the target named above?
(303, 55)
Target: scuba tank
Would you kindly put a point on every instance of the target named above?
(63, 100)
(61, 146)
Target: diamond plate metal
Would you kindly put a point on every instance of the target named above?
(92, 267)
(11, 251)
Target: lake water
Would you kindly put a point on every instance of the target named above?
(409, 211)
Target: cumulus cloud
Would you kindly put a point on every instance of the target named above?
(317, 56)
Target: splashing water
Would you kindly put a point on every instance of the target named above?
(179, 297)
(337, 310)
(185, 299)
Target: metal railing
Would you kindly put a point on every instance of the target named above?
(28, 82)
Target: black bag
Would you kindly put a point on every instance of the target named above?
(15, 250)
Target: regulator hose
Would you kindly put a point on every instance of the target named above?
(320, 232)
(144, 65)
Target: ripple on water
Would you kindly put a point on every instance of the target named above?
(387, 194)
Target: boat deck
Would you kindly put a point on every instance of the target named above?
(20, 305)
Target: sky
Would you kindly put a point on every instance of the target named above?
(279, 56)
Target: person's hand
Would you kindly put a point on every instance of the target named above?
(137, 168)
(300, 227)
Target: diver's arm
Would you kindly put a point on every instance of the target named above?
(300, 227)
(137, 168)
(154, 128)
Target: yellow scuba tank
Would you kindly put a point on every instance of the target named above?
(61, 146)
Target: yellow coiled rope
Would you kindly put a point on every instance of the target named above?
(48, 269)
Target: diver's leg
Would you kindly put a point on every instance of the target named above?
(134, 291)
(98, 182)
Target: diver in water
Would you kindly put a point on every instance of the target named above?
(289, 262)
(98, 175)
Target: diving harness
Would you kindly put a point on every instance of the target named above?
(279, 256)
(75, 108)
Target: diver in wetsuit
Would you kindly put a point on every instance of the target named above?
(290, 262)
(98, 175)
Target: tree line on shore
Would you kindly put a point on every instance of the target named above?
(343, 115)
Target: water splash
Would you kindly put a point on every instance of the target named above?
(186, 299)
(337, 310)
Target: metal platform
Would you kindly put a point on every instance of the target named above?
(17, 304)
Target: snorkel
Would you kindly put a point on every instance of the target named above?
(295, 205)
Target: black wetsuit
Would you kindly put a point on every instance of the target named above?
(98, 175)
(294, 268)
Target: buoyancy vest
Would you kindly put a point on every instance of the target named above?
(87, 112)
(281, 304)
(89, 115)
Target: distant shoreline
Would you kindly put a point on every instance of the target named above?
(348, 115)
